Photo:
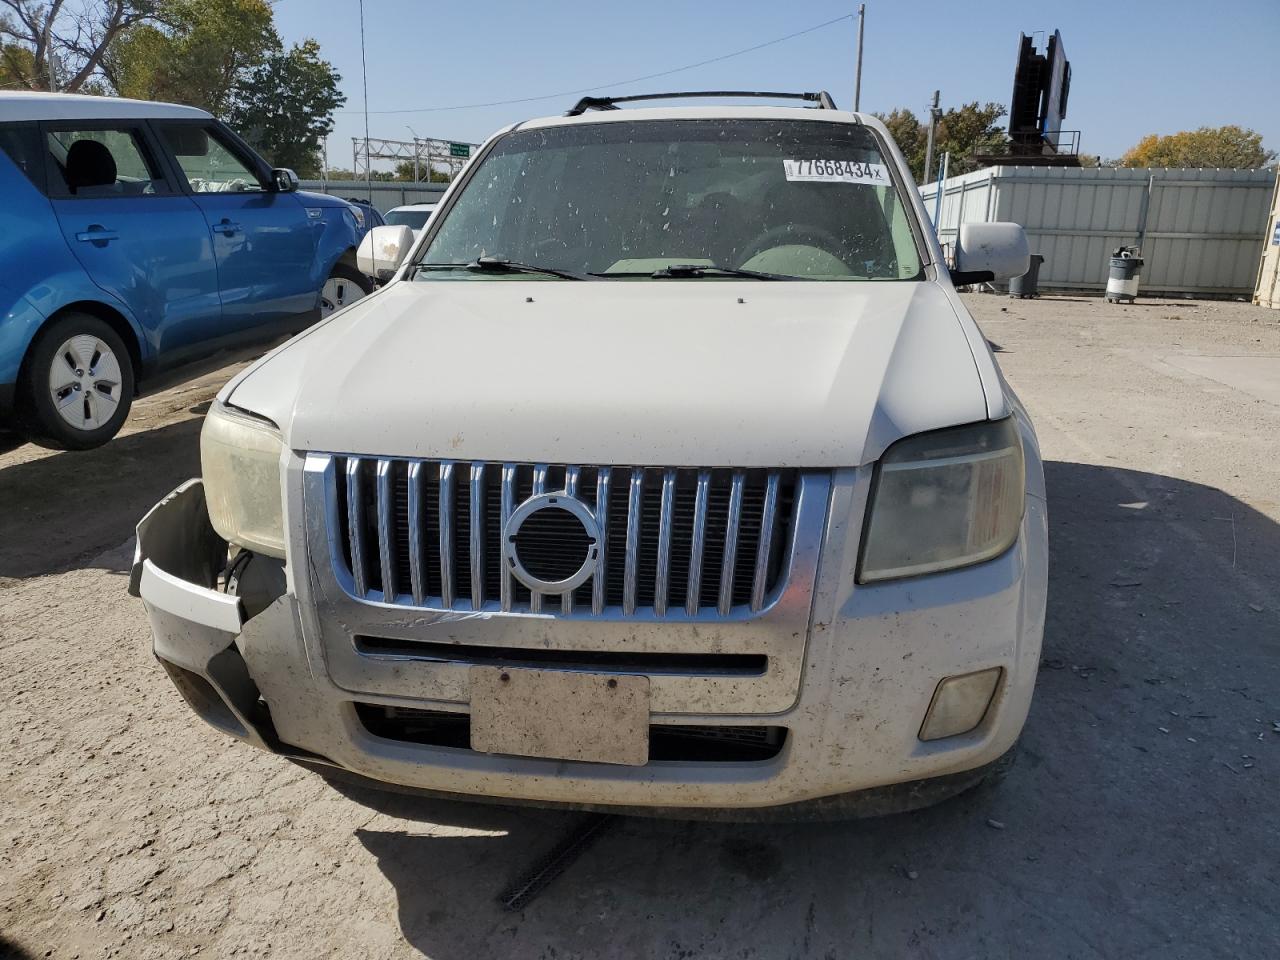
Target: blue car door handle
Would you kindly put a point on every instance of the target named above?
(226, 226)
(97, 234)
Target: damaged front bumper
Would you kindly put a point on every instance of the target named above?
(234, 640)
(202, 633)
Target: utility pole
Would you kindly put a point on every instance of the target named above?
(934, 116)
(857, 83)
(416, 178)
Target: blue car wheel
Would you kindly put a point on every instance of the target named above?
(345, 285)
(77, 384)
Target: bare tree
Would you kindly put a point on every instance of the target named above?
(67, 41)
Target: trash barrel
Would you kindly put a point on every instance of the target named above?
(1122, 280)
(1024, 287)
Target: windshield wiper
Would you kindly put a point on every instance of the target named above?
(499, 265)
(682, 271)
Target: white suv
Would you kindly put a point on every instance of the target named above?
(668, 471)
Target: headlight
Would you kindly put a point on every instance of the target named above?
(944, 499)
(240, 460)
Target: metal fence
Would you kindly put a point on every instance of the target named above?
(1201, 231)
(385, 194)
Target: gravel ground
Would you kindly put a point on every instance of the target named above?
(1140, 820)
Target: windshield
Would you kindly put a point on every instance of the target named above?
(414, 219)
(787, 198)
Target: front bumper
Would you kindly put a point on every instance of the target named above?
(256, 668)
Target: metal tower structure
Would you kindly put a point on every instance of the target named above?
(442, 156)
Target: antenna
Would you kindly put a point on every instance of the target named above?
(364, 77)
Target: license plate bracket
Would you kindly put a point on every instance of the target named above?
(560, 714)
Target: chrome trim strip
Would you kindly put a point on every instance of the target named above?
(663, 578)
(386, 531)
(417, 526)
(539, 486)
(731, 544)
(446, 532)
(698, 547)
(768, 520)
(571, 477)
(602, 518)
(355, 526)
(477, 535)
(508, 505)
(629, 570)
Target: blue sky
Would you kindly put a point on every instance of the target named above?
(1139, 67)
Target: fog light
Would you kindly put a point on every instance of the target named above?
(959, 704)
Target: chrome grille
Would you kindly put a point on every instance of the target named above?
(675, 541)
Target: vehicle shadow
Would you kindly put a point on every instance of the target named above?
(1138, 821)
(12, 951)
(66, 509)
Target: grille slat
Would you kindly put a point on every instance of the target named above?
(732, 526)
(476, 530)
(417, 528)
(690, 540)
(697, 543)
(508, 507)
(572, 476)
(598, 592)
(665, 522)
(631, 566)
(356, 526)
(539, 487)
(768, 512)
(386, 531)
(445, 514)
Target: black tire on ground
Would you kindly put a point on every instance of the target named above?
(343, 271)
(38, 415)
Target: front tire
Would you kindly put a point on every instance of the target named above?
(345, 286)
(77, 384)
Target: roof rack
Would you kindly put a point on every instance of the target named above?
(821, 98)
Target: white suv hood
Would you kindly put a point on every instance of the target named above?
(678, 372)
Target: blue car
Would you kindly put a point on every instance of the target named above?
(138, 236)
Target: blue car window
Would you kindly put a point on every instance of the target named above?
(102, 163)
(209, 165)
(22, 143)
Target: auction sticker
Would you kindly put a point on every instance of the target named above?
(836, 171)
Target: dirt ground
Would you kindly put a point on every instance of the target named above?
(1140, 821)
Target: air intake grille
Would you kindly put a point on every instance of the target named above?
(673, 541)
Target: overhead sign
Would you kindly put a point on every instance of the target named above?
(459, 149)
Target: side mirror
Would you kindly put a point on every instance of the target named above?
(990, 251)
(382, 251)
(284, 180)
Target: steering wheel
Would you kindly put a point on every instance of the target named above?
(794, 233)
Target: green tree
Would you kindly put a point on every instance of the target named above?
(199, 55)
(910, 136)
(64, 43)
(17, 66)
(404, 171)
(967, 131)
(285, 106)
(1230, 146)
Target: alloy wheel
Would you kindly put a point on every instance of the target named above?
(336, 293)
(84, 382)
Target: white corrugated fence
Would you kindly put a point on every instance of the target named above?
(1201, 231)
